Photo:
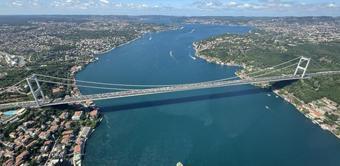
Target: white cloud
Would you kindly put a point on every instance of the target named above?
(232, 3)
(281, 7)
(331, 5)
(263, 5)
(208, 4)
(17, 3)
(104, 1)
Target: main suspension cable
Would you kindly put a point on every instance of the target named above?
(163, 85)
(85, 86)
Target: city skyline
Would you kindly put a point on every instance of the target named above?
(176, 7)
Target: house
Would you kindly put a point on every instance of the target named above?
(64, 115)
(53, 128)
(77, 115)
(75, 68)
(68, 125)
(77, 149)
(76, 159)
(58, 90)
(68, 132)
(94, 114)
(12, 135)
(85, 132)
(21, 111)
(21, 157)
(44, 135)
(9, 162)
(66, 139)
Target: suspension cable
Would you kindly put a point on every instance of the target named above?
(273, 71)
(259, 71)
(164, 85)
(85, 86)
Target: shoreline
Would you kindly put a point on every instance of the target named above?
(285, 97)
(214, 60)
(76, 91)
(99, 53)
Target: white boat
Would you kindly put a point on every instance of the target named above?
(269, 95)
(170, 53)
(192, 57)
(267, 107)
(179, 164)
(150, 38)
(192, 31)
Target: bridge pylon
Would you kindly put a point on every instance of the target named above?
(303, 60)
(36, 90)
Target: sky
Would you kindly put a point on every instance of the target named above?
(173, 7)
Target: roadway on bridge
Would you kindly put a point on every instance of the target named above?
(166, 89)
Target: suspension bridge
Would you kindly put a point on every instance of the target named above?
(299, 64)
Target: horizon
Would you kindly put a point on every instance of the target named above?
(189, 8)
(160, 15)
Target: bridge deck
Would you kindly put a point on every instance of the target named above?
(176, 88)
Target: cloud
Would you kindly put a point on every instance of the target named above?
(208, 4)
(78, 4)
(138, 6)
(17, 3)
(263, 5)
(331, 5)
(104, 1)
(195, 7)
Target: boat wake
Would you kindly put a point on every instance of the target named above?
(192, 57)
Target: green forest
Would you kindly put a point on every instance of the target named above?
(260, 49)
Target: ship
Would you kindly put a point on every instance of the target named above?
(170, 53)
(179, 164)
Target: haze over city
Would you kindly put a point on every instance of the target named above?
(175, 7)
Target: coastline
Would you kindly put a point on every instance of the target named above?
(76, 91)
(99, 53)
(286, 97)
(214, 60)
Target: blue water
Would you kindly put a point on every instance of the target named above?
(213, 127)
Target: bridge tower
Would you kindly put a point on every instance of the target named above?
(36, 90)
(303, 60)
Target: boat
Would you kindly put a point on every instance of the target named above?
(192, 57)
(179, 164)
(192, 31)
(267, 107)
(150, 38)
(170, 53)
(269, 95)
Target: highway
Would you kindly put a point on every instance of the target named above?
(168, 89)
